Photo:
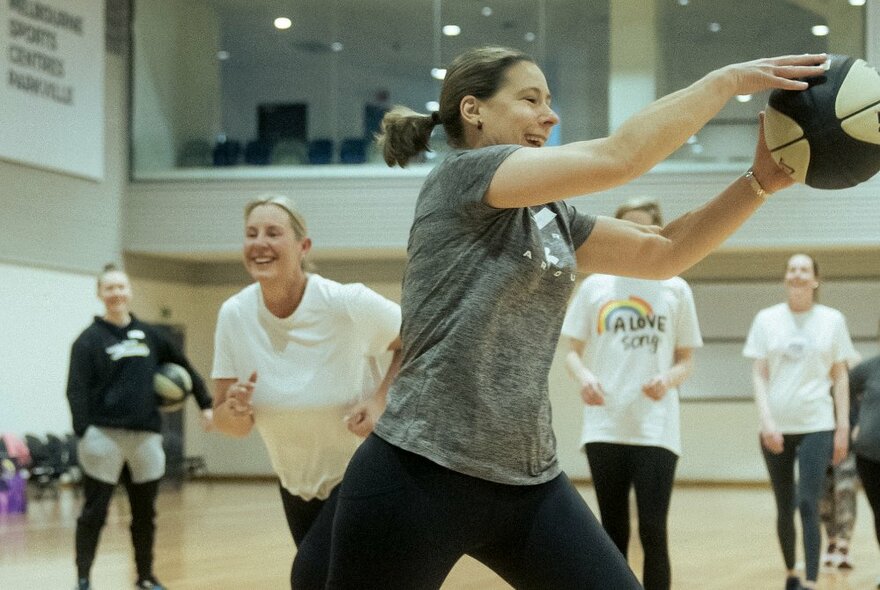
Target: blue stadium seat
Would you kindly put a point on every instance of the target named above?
(353, 151)
(321, 151)
(226, 153)
(258, 152)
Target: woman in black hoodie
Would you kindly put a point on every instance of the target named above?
(116, 417)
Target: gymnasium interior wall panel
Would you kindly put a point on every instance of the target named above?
(372, 212)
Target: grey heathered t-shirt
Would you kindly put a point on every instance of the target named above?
(865, 380)
(484, 296)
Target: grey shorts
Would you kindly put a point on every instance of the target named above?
(102, 452)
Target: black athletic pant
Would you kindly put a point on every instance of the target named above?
(310, 523)
(812, 452)
(402, 522)
(869, 473)
(97, 494)
(617, 468)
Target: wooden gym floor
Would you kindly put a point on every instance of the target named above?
(229, 535)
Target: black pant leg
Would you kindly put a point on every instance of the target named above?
(142, 499)
(97, 496)
(654, 475)
(869, 473)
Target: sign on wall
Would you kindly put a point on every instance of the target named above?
(52, 86)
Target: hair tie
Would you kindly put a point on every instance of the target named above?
(435, 118)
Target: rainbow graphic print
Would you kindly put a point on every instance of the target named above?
(615, 308)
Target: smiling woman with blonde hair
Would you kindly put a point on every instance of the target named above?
(297, 356)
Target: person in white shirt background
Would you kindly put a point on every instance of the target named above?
(631, 345)
(298, 356)
(800, 349)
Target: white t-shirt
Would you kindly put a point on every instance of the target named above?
(631, 328)
(311, 368)
(800, 349)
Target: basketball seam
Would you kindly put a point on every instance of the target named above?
(862, 110)
(840, 121)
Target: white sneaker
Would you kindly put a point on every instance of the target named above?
(831, 558)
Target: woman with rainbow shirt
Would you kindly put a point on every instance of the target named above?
(631, 344)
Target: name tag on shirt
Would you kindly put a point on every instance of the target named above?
(543, 217)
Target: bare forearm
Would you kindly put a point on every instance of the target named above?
(576, 369)
(679, 372)
(840, 391)
(653, 134)
(760, 387)
(697, 233)
(390, 376)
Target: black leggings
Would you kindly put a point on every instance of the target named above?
(617, 468)
(141, 498)
(869, 473)
(402, 522)
(310, 523)
(812, 452)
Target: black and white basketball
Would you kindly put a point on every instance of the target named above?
(828, 136)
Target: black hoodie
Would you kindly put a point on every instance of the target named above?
(110, 382)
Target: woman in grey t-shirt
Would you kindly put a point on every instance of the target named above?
(463, 460)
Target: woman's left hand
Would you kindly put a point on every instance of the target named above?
(362, 417)
(656, 388)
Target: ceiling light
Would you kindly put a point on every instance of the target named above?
(433, 106)
(336, 46)
(743, 97)
(820, 30)
(451, 30)
(438, 73)
(222, 55)
(856, 2)
(282, 22)
(714, 27)
(529, 36)
(487, 11)
(683, 2)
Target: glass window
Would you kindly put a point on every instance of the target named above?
(223, 86)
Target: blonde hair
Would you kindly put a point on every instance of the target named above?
(297, 221)
(108, 268)
(646, 204)
(285, 203)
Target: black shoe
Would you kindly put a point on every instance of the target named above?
(83, 584)
(149, 583)
(793, 583)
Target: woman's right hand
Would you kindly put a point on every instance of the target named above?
(239, 395)
(772, 441)
(592, 392)
(774, 72)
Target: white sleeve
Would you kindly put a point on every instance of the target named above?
(578, 319)
(844, 351)
(224, 362)
(687, 333)
(376, 318)
(756, 342)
